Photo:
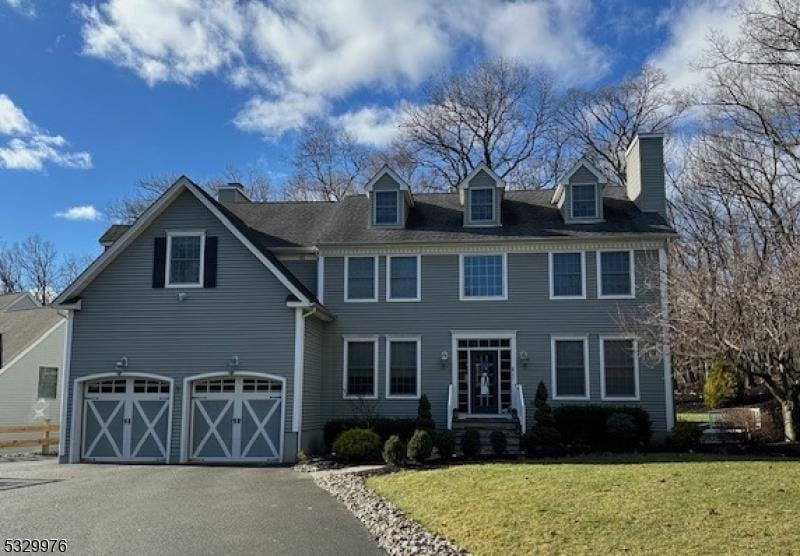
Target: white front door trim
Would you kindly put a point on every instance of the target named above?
(457, 335)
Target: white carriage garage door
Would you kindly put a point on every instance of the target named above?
(126, 420)
(236, 419)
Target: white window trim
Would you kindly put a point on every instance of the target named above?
(553, 382)
(632, 274)
(552, 275)
(471, 220)
(355, 338)
(375, 208)
(185, 233)
(462, 297)
(418, 341)
(347, 297)
(389, 279)
(603, 396)
(596, 214)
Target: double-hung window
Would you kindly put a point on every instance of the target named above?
(361, 278)
(48, 383)
(570, 366)
(615, 274)
(403, 278)
(402, 367)
(584, 201)
(483, 277)
(619, 368)
(481, 205)
(361, 367)
(185, 259)
(386, 208)
(567, 272)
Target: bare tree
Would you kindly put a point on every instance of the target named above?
(147, 190)
(601, 123)
(10, 272)
(329, 164)
(71, 267)
(497, 113)
(38, 262)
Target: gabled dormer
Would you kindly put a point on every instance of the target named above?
(579, 194)
(390, 199)
(481, 196)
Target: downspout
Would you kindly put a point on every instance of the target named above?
(299, 370)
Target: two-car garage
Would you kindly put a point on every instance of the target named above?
(225, 418)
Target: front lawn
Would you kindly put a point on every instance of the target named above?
(656, 504)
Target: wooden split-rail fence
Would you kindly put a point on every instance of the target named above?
(44, 432)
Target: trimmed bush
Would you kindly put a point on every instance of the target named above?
(383, 427)
(358, 445)
(424, 415)
(621, 430)
(394, 450)
(586, 424)
(445, 442)
(541, 441)
(723, 386)
(499, 442)
(543, 415)
(685, 435)
(471, 443)
(420, 446)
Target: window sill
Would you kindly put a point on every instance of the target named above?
(399, 397)
(566, 297)
(619, 399)
(628, 296)
(374, 300)
(493, 298)
(346, 397)
(182, 286)
(404, 300)
(571, 398)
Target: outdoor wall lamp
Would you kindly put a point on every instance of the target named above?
(523, 358)
(444, 357)
(121, 365)
(233, 365)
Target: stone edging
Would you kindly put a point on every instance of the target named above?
(395, 532)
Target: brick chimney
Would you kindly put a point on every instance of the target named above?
(644, 166)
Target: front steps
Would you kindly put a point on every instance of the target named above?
(485, 426)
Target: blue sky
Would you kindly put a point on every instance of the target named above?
(96, 95)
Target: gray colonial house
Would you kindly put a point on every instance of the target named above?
(225, 330)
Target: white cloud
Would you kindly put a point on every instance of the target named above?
(371, 125)
(85, 212)
(25, 7)
(271, 117)
(549, 35)
(301, 56)
(29, 147)
(689, 28)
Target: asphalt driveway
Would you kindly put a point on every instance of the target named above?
(141, 510)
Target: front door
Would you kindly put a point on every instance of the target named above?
(483, 381)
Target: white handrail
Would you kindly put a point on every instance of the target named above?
(518, 403)
(450, 407)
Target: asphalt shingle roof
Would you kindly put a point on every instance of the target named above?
(20, 329)
(437, 217)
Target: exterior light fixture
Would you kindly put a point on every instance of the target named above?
(444, 357)
(233, 365)
(121, 365)
(523, 358)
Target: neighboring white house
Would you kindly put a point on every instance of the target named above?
(31, 360)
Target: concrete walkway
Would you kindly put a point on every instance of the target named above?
(141, 510)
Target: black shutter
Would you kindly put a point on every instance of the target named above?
(159, 261)
(210, 264)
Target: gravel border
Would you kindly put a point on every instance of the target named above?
(395, 532)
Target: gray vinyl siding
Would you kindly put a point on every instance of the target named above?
(528, 310)
(245, 315)
(313, 419)
(305, 271)
(645, 174)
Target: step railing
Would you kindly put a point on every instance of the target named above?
(450, 406)
(518, 403)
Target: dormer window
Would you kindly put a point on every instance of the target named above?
(481, 205)
(386, 208)
(584, 200)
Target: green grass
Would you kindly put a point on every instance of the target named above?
(693, 417)
(664, 504)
